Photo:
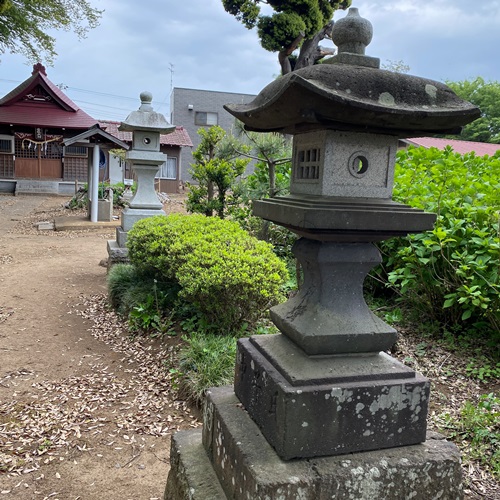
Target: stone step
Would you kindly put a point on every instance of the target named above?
(192, 475)
(33, 186)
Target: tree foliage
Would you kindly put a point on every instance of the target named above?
(486, 96)
(216, 169)
(24, 25)
(294, 24)
(273, 151)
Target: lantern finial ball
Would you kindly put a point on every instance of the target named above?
(146, 99)
(352, 33)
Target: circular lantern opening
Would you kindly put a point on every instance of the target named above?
(358, 165)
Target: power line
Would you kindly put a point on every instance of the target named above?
(94, 92)
(85, 91)
(101, 105)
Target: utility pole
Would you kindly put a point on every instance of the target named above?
(171, 76)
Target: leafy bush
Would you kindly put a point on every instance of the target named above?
(451, 274)
(147, 303)
(229, 276)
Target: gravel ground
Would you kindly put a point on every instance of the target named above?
(85, 411)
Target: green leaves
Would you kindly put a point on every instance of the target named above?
(477, 431)
(24, 24)
(216, 169)
(290, 23)
(226, 274)
(206, 361)
(452, 272)
(486, 96)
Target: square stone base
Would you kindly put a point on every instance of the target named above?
(236, 462)
(309, 406)
(105, 210)
(131, 215)
(121, 237)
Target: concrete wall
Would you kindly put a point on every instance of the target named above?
(184, 103)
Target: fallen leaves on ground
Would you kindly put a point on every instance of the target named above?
(40, 427)
(451, 388)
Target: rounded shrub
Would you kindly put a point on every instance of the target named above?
(228, 275)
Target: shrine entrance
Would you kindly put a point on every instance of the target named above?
(38, 158)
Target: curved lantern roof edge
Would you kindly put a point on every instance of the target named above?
(146, 121)
(347, 97)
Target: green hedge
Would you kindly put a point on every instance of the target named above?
(228, 275)
(452, 272)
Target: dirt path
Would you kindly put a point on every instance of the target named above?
(79, 418)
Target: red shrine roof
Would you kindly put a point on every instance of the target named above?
(179, 137)
(461, 147)
(37, 102)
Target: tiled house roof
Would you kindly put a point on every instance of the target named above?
(461, 147)
(179, 137)
(37, 102)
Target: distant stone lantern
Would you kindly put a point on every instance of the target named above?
(324, 387)
(145, 158)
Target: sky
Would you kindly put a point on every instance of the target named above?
(155, 45)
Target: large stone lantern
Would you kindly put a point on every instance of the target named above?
(328, 414)
(145, 157)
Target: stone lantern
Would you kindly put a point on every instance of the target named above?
(145, 157)
(328, 413)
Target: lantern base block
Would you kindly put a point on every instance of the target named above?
(231, 458)
(309, 406)
(131, 215)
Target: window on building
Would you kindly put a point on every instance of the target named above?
(169, 169)
(6, 144)
(205, 118)
(76, 151)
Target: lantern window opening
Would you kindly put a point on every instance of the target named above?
(308, 167)
(358, 165)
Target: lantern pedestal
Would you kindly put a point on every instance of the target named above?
(309, 407)
(231, 458)
(329, 314)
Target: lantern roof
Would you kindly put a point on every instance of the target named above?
(146, 118)
(346, 97)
